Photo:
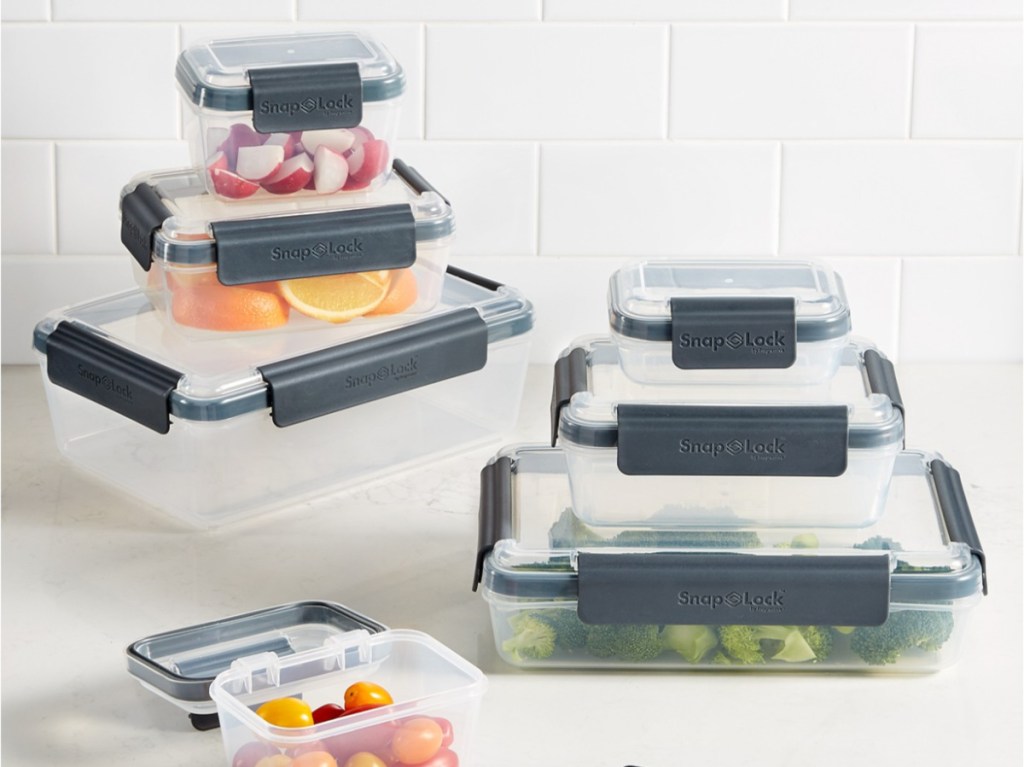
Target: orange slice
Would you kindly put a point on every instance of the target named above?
(402, 294)
(212, 306)
(336, 297)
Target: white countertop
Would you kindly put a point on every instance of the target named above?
(87, 570)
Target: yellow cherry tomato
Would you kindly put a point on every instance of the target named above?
(278, 760)
(365, 759)
(286, 712)
(417, 740)
(314, 759)
(364, 695)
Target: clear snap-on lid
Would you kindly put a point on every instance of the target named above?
(180, 665)
(641, 295)
(532, 547)
(220, 74)
(592, 392)
(171, 216)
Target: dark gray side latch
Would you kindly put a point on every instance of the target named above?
(142, 214)
(731, 332)
(956, 513)
(495, 515)
(570, 377)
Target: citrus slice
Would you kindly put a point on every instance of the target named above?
(212, 306)
(401, 295)
(335, 297)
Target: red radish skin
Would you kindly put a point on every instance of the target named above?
(227, 184)
(289, 142)
(295, 174)
(330, 170)
(239, 135)
(258, 163)
(338, 139)
(366, 163)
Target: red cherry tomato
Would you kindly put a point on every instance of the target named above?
(249, 754)
(305, 748)
(447, 733)
(366, 694)
(314, 759)
(416, 740)
(327, 712)
(286, 712)
(365, 759)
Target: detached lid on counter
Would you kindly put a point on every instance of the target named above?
(117, 351)
(180, 665)
(226, 75)
(658, 300)
(924, 549)
(172, 217)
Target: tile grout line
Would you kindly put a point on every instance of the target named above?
(778, 203)
(899, 308)
(911, 75)
(537, 201)
(667, 103)
(423, 76)
(295, 10)
(56, 199)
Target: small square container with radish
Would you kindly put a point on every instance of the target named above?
(301, 114)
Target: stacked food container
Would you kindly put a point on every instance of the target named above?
(296, 328)
(729, 489)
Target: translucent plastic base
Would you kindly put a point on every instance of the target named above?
(211, 473)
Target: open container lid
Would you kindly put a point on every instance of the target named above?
(219, 74)
(180, 665)
(118, 352)
(640, 296)
(592, 395)
(169, 215)
(925, 549)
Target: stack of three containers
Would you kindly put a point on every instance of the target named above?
(296, 329)
(730, 490)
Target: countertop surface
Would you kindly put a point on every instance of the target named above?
(87, 570)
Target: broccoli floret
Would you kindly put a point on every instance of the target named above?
(692, 642)
(570, 631)
(534, 639)
(802, 541)
(904, 630)
(793, 644)
(880, 543)
(569, 532)
(688, 539)
(630, 642)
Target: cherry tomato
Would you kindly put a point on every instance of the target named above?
(365, 759)
(314, 759)
(443, 758)
(286, 712)
(327, 712)
(366, 694)
(417, 740)
(371, 739)
(277, 760)
(304, 748)
(447, 732)
(249, 754)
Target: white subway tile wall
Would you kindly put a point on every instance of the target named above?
(880, 136)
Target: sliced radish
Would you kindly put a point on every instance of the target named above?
(366, 163)
(288, 141)
(227, 184)
(296, 172)
(239, 135)
(330, 170)
(257, 163)
(217, 161)
(338, 139)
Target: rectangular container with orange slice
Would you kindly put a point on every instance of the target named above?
(214, 432)
(213, 268)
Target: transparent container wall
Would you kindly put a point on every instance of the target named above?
(420, 675)
(641, 317)
(214, 80)
(916, 638)
(193, 301)
(210, 473)
(602, 495)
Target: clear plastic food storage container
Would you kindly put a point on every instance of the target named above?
(217, 431)
(305, 655)
(663, 455)
(213, 268)
(303, 114)
(895, 596)
(783, 322)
